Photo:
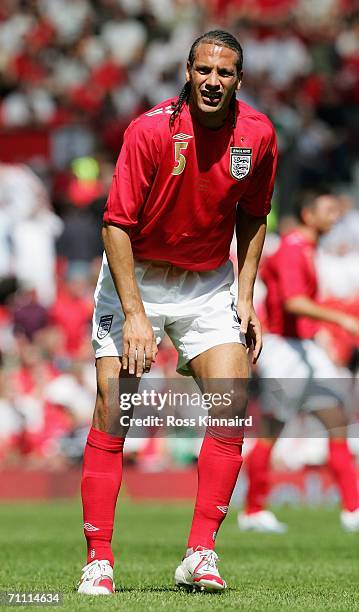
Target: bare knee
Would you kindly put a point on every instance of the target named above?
(107, 403)
(227, 398)
(334, 420)
(111, 383)
(239, 398)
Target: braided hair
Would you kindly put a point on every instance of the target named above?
(219, 37)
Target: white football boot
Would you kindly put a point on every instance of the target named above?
(97, 579)
(198, 571)
(350, 520)
(263, 521)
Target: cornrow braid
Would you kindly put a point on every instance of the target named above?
(224, 39)
(234, 110)
(182, 98)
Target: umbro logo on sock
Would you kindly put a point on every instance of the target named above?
(223, 509)
(90, 527)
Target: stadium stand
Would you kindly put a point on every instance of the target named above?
(72, 76)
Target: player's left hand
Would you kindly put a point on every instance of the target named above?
(251, 327)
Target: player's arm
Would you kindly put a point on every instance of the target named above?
(251, 228)
(250, 231)
(139, 343)
(131, 184)
(303, 306)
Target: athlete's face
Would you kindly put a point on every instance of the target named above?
(324, 214)
(214, 79)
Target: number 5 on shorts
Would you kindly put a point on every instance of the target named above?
(179, 157)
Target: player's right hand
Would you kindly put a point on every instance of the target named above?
(139, 344)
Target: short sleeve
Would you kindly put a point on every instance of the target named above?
(256, 200)
(133, 177)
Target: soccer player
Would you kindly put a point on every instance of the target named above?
(168, 224)
(290, 351)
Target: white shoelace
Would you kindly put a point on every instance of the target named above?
(94, 569)
(211, 560)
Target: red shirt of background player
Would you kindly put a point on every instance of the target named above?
(177, 188)
(288, 273)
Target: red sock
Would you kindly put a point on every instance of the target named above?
(219, 463)
(101, 480)
(342, 464)
(257, 465)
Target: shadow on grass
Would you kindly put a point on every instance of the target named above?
(166, 590)
(163, 589)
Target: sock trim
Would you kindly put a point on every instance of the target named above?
(104, 441)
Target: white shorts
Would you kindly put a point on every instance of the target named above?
(298, 374)
(195, 309)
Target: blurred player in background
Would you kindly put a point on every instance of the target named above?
(168, 225)
(290, 351)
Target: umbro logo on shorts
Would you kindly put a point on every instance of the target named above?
(104, 326)
(223, 509)
(237, 322)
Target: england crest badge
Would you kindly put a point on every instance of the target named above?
(240, 162)
(104, 326)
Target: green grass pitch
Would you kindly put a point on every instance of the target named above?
(313, 567)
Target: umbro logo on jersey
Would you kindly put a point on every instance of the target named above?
(181, 136)
(223, 509)
(90, 527)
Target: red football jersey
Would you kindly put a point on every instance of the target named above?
(290, 272)
(177, 188)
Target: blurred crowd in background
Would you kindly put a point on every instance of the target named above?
(73, 74)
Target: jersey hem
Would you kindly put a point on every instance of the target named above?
(183, 266)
